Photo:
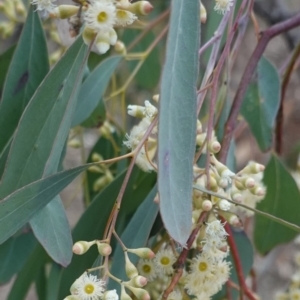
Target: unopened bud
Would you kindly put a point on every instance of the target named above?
(88, 35)
(237, 196)
(206, 205)
(252, 168)
(249, 182)
(124, 295)
(110, 295)
(141, 294)
(239, 185)
(213, 186)
(120, 48)
(104, 249)
(214, 147)
(74, 143)
(96, 157)
(82, 247)
(203, 13)
(131, 270)
(155, 98)
(144, 253)
(138, 281)
(258, 191)
(235, 221)
(64, 11)
(140, 8)
(223, 183)
(199, 127)
(102, 182)
(95, 169)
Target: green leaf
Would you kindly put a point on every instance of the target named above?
(14, 253)
(177, 120)
(283, 201)
(20, 206)
(261, 104)
(27, 275)
(53, 282)
(140, 224)
(37, 146)
(40, 283)
(28, 68)
(5, 59)
(93, 89)
(51, 228)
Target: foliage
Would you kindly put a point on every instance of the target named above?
(163, 181)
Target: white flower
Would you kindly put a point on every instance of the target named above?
(202, 267)
(44, 4)
(100, 16)
(216, 229)
(146, 268)
(175, 295)
(222, 6)
(164, 260)
(111, 295)
(294, 294)
(124, 17)
(88, 287)
(222, 272)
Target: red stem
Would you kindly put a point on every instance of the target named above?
(266, 36)
(238, 265)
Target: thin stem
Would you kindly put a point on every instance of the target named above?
(117, 206)
(124, 248)
(279, 118)
(238, 265)
(266, 36)
(179, 264)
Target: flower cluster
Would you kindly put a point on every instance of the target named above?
(100, 17)
(148, 150)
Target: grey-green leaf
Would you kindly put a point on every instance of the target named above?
(93, 89)
(283, 201)
(177, 120)
(28, 68)
(261, 103)
(19, 207)
(39, 138)
(50, 226)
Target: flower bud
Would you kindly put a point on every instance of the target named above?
(95, 169)
(144, 253)
(82, 247)
(199, 127)
(104, 249)
(64, 11)
(213, 186)
(155, 98)
(74, 143)
(249, 183)
(96, 157)
(203, 13)
(120, 48)
(252, 168)
(140, 8)
(141, 294)
(236, 196)
(214, 147)
(124, 295)
(131, 270)
(110, 295)
(235, 221)
(138, 281)
(223, 183)
(206, 205)
(88, 35)
(258, 191)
